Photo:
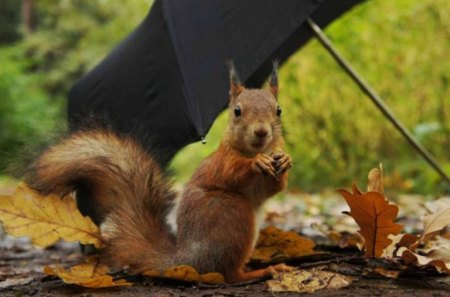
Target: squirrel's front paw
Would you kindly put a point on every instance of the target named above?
(282, 162)
(265, 164)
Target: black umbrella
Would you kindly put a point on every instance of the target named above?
(167, 81)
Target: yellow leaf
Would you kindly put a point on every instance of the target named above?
(275, 245)
(212, 278)
(46, 219)
(375, 216)
(188, 274)
(307, 281)
(182, 272)
(86, 275)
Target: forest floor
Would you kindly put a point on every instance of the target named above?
(21, 264)
(21, 274)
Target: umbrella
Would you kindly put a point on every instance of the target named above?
(167, 81)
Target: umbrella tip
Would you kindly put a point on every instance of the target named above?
(203, 139)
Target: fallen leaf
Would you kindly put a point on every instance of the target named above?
(188, 274)
(389, 251)
(12, 282)
(439, 258)
(46, 219)
(387, 273)
(277, 245)
(435, 222)
(375, 216)
(343, 239)
(307, 281)
(435, 205)
(437, 243)
(398, 241)
(375, 183)
(346, 239)
(86, 275)
(442, 253)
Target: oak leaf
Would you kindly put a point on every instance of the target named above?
(188, 274)
(276, 245)
(46, 219)
(87, 275)
(375, 217)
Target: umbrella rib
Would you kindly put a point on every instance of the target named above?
(376, 99)
(175, 46)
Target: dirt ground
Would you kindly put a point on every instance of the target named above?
(21, 275)
(21, 264)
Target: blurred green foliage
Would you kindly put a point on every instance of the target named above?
(26, 111)
(333, 131)
(38, 68)
(9, 20)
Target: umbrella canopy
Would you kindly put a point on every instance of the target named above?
(167, 81)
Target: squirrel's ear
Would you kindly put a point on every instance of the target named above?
(235, 85)
(273, 83)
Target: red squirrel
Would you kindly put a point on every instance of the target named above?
(216, 213)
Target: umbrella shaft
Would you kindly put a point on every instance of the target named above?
(376, 99)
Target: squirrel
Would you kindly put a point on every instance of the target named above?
(216, 215)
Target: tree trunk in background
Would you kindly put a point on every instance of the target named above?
(27, 15)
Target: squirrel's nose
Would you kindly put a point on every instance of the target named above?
(261, 132)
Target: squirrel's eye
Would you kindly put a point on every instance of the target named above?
(237, 111)
(278, 111)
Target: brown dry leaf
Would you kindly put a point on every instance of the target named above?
(389, 251)
(435, 222)
(46, 219)
(307, 281)
(375, 216)
(188, 274)
(439, 258)
(277, 245)
(375, 178)
(387, 273)
(343, 239)
(86, 275)
(398, 241)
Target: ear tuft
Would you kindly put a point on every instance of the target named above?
(235, 84)
(273, 83)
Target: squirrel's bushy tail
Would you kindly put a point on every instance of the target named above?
(126, 185)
